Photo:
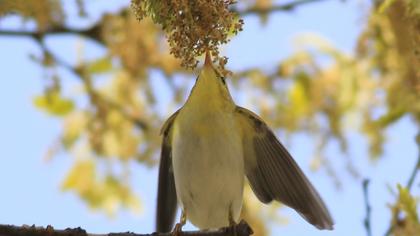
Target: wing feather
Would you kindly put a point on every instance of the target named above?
(166, 200)
(274, 175)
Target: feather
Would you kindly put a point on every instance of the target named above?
(274, 175)
(166, 200)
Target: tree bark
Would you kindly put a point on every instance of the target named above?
(242, 229)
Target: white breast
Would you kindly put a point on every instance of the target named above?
(208, 167)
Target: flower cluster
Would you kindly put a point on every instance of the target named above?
(192, 27)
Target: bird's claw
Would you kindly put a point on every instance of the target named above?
(232, 225)
(177, 230)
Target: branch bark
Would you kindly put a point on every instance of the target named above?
(241, 229)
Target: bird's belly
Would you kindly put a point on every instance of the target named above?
(209, 174)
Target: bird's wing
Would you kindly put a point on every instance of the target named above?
(166, 200)
(273, 174)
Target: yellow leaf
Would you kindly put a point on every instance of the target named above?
(74, 125)
(81, 177)
(101, 65)
(408, 203)
(297, 95)
(54, 104)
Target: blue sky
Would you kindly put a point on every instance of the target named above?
(30, 187)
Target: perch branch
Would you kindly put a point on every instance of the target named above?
(242, 229)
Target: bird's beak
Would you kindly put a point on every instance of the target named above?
(207, 62)
(208, 69)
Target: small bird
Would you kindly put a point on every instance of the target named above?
(209, 146)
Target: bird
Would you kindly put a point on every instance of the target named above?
(209, 146)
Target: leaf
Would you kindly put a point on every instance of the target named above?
(52, 103)
(385, 5)
(81, 177)
(408, 203)
(298, 94)
(393, 115)
(120, 194)
(413, 7)
(101, 65)
(74, 124)
(107, 193)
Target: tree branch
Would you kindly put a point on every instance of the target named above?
(97, 100)
(367, 207)
(282, 7)
(241, 229)
(78, 72)
(93, 32)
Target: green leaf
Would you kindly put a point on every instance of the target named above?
(54, 104)
(393, 115)
(81, 177)
(408, 203)
(101, 65)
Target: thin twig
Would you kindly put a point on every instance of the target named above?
(416, 167)
(242, 229)
(282, 7)
(78, 72)
(98, 100)
(94, 32)
(367, 221)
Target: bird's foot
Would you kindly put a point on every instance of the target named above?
(232, 225)
(178, 227)
(234, 231)
(177, 230)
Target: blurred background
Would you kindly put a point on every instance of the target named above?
(86, 88)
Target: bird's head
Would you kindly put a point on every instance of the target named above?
(210, 87)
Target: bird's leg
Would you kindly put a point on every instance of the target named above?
(182, 221)
(232, 222)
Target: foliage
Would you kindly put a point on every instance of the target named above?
(318, 89)
(46, 13)
(391, 44)
(408, 222)
(103, 194)
(52, 103)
